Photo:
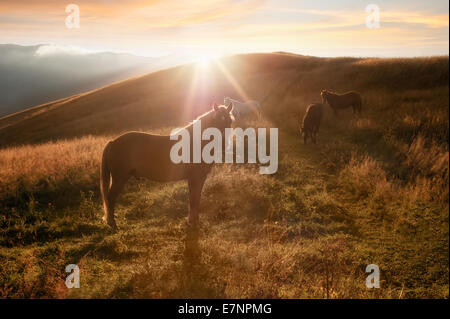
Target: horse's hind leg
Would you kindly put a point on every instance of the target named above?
(357, 108)
(354, 112)
(195, 190)
(116, 187)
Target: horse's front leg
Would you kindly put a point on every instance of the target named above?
(195, 190)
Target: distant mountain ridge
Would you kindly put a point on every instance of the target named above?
(31, 75)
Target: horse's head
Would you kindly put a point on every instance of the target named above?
(221, 117)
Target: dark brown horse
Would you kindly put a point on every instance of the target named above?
(311, 122)
(342, 101)
(145, 155)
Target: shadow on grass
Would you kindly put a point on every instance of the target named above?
(196, 278)
(45, 232)
(170, 278)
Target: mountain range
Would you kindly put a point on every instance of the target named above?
(32, 75)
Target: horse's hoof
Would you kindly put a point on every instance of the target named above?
(111, 223)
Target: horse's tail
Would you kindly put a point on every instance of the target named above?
(105, 179)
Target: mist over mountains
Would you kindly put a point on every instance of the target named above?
(32, 75)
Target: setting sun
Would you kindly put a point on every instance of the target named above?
(203, 60)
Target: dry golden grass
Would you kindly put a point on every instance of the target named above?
(46, 167)
(374, 190)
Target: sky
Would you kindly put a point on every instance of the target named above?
(219, 27)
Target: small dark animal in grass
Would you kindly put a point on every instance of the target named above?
(146, 155)
(342, 101)
(311, 122)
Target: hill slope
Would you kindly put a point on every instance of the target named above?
(373, 190)
(42, 73)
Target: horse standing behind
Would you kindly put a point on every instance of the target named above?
(342, 101)
(146, 155)
(311, 122)
(242, 108)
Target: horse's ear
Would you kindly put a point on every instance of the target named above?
(215, 107)
(229, 107)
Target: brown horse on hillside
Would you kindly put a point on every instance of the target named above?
(311, 122)
(342, 101)
(146, 155)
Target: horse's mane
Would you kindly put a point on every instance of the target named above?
(330, 92)
(190, 124)
(204, 116)
(198, 118)
(337, 94)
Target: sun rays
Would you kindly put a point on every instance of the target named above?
(203, 84)
(242, 94)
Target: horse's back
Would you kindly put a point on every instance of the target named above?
(347, 99)
(315, 109)
(313, 115)
(144, 155)
(352, 95)
(253, 103)
(246, 107)
(140, 141)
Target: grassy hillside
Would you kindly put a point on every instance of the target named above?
(39, 73)
(374, 190)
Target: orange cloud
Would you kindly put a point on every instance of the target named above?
(159, 12)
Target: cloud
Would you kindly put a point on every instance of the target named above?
(419, 18)
(53, 49)
(356, 17)
(396, 26)
(158, 13)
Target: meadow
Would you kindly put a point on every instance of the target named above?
(374, 190)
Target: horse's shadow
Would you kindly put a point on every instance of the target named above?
(192, 252)
(196, 278)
